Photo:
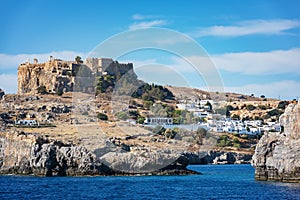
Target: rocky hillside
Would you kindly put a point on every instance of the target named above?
(71, 143)
(277, 155)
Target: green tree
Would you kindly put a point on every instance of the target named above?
(223, 141)
(282, 104)
(140, 120)
(236, 143)
(122, 115)
(78, 59)
(275, 112)
(250, 107)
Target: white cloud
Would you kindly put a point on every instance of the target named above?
(286, 89)
(8, 61)
(147, 24)
(190, 71)
(9, 83)
(143, 17)
(251, 27)
(260, 63)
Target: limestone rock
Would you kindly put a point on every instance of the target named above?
(31, 77)
(277, 155)
(140, 161)
(30, 154)
(22, 153)
(215, 157)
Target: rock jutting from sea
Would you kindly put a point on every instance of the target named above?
(277, 155)
(25, 154)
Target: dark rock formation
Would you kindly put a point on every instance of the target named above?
(277, 155)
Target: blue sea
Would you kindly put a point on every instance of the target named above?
(216, 182)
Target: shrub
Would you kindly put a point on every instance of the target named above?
(140, 120)
(122, 116)
(275, 112)
(147, 104)
(60, 92)
(133, 113)
(262, 107)
(235, 116)
(42, 89)
(102, 116)
(250, 107)
(282, 104)
(152, 92)
(237, 145)
(169, 133)
(230, 108)
(223, 141)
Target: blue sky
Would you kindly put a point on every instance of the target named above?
(254, 44)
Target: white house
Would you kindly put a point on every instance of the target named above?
(158, 120)
(26, 122)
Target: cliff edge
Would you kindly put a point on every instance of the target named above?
(277, 155)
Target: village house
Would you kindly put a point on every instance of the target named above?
(26, 122)
(158, 120)
(254, 127)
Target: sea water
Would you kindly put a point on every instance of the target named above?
(216, 182)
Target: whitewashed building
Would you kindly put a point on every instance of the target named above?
(26, 122)
(158, 120)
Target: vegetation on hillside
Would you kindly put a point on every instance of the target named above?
(152, 92)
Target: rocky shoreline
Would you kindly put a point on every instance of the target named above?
(32, 154)
(277, 155)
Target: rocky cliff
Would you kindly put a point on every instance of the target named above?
(22, 153)
(277, 155)
(218, 158)
(31, 76)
